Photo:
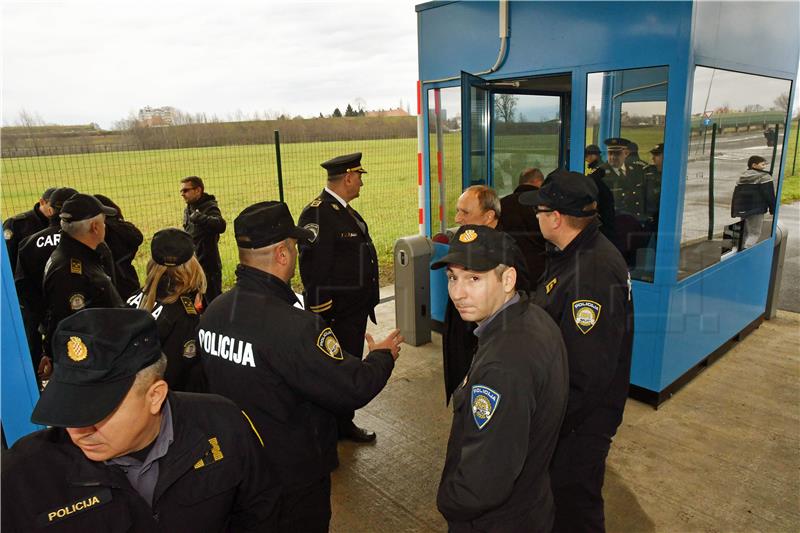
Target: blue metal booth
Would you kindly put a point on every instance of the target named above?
(509, 85)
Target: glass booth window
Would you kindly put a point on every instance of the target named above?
(735, 142)
(625, 121)
(444, 129)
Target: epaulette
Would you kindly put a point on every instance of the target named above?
(75, 266)
(188, 305)
(315, 203)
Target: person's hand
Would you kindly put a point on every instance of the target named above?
(391, 343)
(197, 217)
(45, 368)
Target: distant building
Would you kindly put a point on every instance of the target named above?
(397, 112)
(157, 116)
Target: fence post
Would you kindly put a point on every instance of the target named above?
(711, 182)
(278, 162)
(796, 139)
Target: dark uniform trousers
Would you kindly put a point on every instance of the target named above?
(586, 290)
(214, 477)
(177, 327)
(340, 274)
(506, 417)
(32, 256)
(205, 229)
(75, 279)
(286, 369)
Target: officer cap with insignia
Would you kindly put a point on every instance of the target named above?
(564, 191)
(171, 247)
(478, 248)
(83, 207)
(267, 223)
(614, 144)
(61, 195)
(344, 164)
(96, 355)
(592, 149)
(657, 149)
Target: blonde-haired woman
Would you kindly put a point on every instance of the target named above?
(173, 288)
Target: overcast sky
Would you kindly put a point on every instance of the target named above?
(75, 62)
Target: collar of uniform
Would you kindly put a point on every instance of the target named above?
(336, 197)
(43, 219)
(251, 278)
(76, 247)
(588, 233)
(84, 472)
(164, 438)
(509, 311)
(485, 324)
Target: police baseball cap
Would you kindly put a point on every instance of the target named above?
(564, 191)
(96, 355)
(478, 248)
(266, 223)
(171, 247)
(657, 149)
(46, 194)
(343, 164)
(61, 195)
(592, 149)
(83, 207)
(616, 143)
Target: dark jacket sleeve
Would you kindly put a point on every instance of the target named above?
(491, 458)
(212, 219)
(257, 496)
(316, 260)
(593, 355)
(334, 380)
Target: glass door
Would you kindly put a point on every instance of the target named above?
(475, 121)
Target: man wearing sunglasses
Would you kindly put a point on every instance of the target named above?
(203, 220)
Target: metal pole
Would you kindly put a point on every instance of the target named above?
(711, 182)
(796, 140)
(278, 162)
(774, 148)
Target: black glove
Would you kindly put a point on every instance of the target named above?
(197, 217)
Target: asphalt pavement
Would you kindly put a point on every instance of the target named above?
(789, 299)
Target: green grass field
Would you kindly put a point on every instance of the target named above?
(791, 181)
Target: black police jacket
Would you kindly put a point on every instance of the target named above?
(605, 200)
(49, 485)
(18, 227)
(177, 326)
(506, 417)
(586, 290)
(74, 279)
(205, 228)
(340, 268)
(284, 367)
(124, 239)
(521, 223)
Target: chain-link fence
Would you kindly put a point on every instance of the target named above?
(145, 183)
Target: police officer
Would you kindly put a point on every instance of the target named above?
(34, 251)
(508, 409)
(519, 221)
(284, 365)
(172, 290)
(652, 184)
(339, 268)
(123, 240)
(16, 228)
(74, 277)
(586, 290)
(605, 199)
(203, 220)
(124, 452)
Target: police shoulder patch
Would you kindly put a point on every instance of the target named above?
(7, 234)
(75, 266)
(189, 349)
(550, 284)
(586, 314)
(188, 305)
(313, 228)
(329, 344)
(77, 301)
(484, 404)
(315, 203)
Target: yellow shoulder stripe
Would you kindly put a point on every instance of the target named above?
(254, 429)
(321, 307)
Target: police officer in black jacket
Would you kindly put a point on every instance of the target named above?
(74, 277)
(508, 409)
(586, 290)
(596, 170)
(339, 268)
(123, 240)
(34, 252)
(125, 453)
(203, 220)
(284, 365)
(520, 222)
(16, 228)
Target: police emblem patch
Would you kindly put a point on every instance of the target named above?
(468, 236)
(76, 350)
(75, 266)
(329, 344)
(7, 234)
(189, 349)
(484, 404)
(77, 302)
(586, 313)
(313, 228)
